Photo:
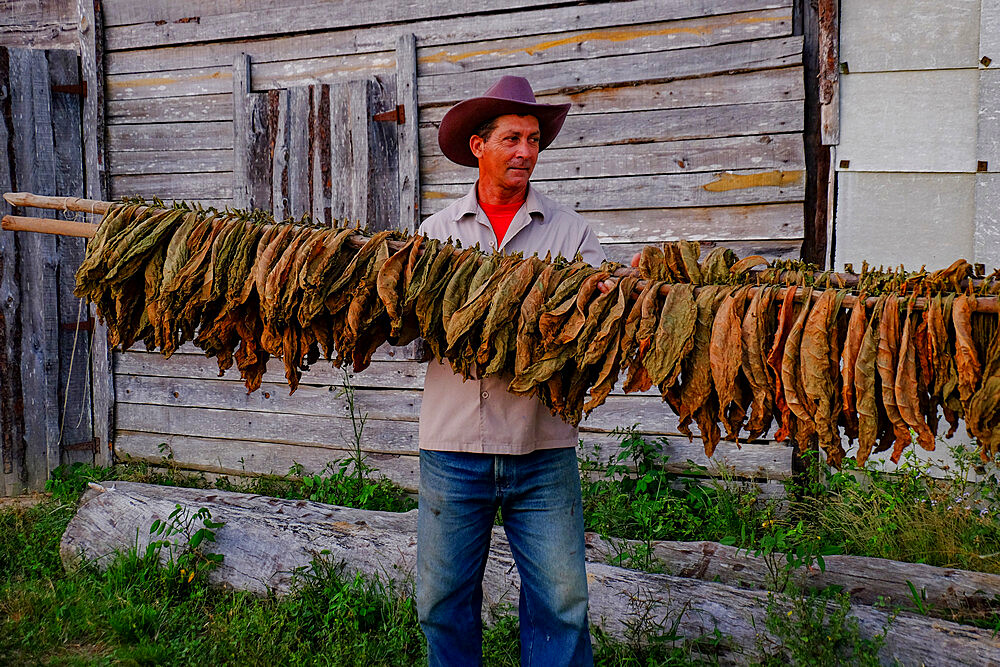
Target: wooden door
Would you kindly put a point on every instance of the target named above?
(335, 152)
(45, 383)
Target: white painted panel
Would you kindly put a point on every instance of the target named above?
(989, 118)
(987, 234)
(909, 219)
(909, 121)
(889, 35)
(989, 32)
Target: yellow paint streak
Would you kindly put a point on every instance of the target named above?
(597, 35)
(776, 178)
(166, 80)
(430, 194)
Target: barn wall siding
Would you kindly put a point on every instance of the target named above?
(687, 123)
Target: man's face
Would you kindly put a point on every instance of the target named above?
(508, 157)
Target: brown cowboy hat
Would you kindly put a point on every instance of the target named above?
(509, 95)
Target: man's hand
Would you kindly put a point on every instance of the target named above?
(606, 286)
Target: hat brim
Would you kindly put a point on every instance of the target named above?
(462, 120)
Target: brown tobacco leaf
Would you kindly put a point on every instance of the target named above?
(531, 307)
(574, 324)
(756, 328)
(690, 251)
(474, 309)
(966, 356)
(457, 289)
(982, 418)
(605, 340)
(786, 317)
(500, 318)
(867, 385)
(676, 270)
(674, 337)
(791, 375)
(852, 346)
(906, 387)
(390, 284)
(887, 361)
(820, 371)
(726, 357)
(716, 267)
(696, 368)
(638, 378)
(652, 264)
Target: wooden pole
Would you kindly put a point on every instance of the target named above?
(986, 304)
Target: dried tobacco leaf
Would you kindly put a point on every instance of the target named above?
(966, 355)
(819, 368)
(757, 324)
(652, 264)
(852, 346)
(887, 361)
(786, 317)
(638, 378)
(696, 368)
(674, 337)
(791, 376)
(726, 356)
(906, 389)
(867, 385)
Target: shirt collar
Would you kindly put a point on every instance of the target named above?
(469, 204)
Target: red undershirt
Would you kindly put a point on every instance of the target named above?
(500, 216)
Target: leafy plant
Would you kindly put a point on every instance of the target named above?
(187, 556)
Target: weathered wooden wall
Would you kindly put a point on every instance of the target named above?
(920, 120)
(44, 24)
(686, 123)
(45, 382)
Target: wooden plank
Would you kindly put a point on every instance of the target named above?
(449, 88)
(320, 153)
(279, 156)
(298, 176)
(766, 151)
(435, 31)
(122, 163)
(828, 56)
(91, 37)
(717, 223)
(172, 109)
(770, 249)
(769, 85)
(407, 135)
(649, 38)
(298, 17)
(170, 136)
(920, 35)
(357, 173)
(989, 32)
(572, 75)
(988, 125)
(654, 125)
(897, 218)
(669, 190)
(11, 403)
(40, 24)
(75, 409)
(816, 157)
(891, 121)
(216, 185)
(35, 171)
(986, 238)
(383, 146)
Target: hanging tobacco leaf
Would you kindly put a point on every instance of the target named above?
(852, 346)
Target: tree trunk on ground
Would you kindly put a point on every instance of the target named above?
(265, 540)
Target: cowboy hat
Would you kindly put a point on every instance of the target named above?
(509, 95)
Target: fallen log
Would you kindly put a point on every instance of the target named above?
(868, 580)
(266, 540)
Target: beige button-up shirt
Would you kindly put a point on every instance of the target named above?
(480, 415)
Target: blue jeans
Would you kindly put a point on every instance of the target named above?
(539, 494)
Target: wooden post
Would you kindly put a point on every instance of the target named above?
(96, 187)
(408, 136)
(35, 169)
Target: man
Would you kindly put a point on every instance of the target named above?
(482, 448)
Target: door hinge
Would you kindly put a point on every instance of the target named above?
(397, 115)
(72, 89)
(85, 446)
(86, 325)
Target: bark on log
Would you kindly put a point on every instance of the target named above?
(867, 580)
(265, 540)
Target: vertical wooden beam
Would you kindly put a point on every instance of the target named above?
(407, 134)
(383, 156)
(279, 159)
(341, 153)
(91, 31)
(242, 138)
(297, 152)
(360, 169)
(814, 246)
(11, 402)
(35, 169)
(319, 133)
(828, 16)
(75, 407)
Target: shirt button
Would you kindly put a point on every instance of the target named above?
(486, 394)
